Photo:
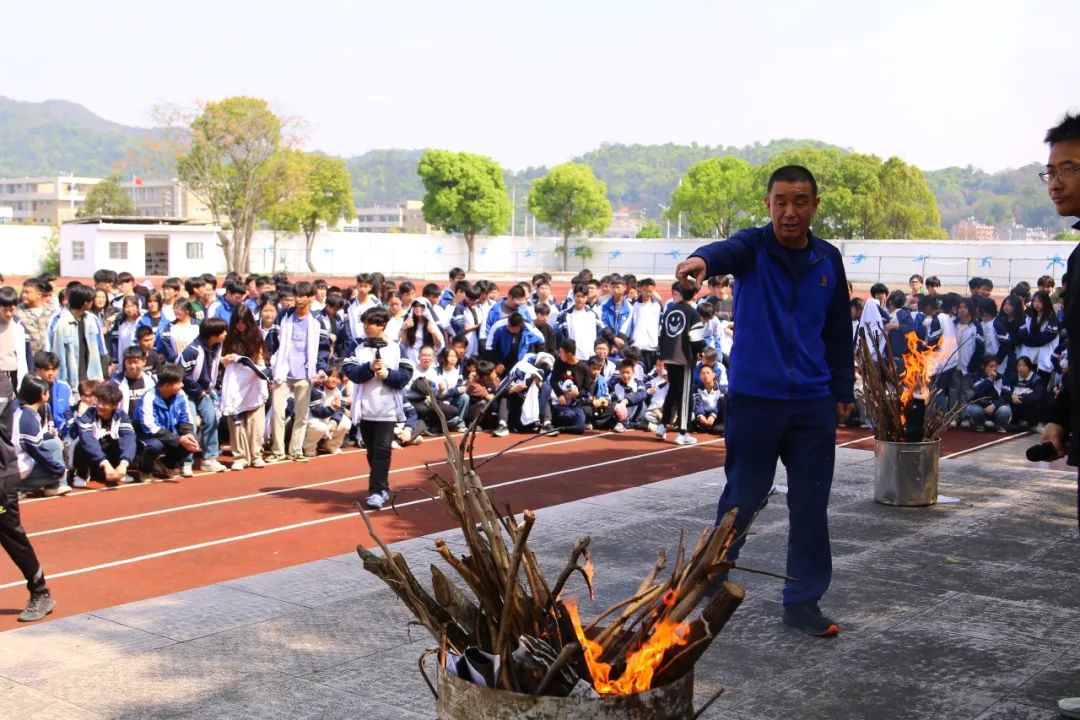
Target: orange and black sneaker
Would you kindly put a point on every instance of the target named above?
(809, 619)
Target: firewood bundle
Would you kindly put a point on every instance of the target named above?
(901, 406)
(502, 613)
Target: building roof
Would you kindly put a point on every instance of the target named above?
(130, 220)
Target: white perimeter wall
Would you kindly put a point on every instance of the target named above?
(342, 254)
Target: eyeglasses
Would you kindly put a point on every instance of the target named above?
(1047, 175)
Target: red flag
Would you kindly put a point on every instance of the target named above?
(138, 180)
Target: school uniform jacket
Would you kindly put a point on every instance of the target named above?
(24, 356)
(243, 387)
(132, 391)
(91, 429)
(991, 392)
(707, 402)
(280, 366)
(200, 363)
(620, 321)
(27, 438)
(500, 340)
(373, 399)
(165, 420)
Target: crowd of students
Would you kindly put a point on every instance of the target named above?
(1001, 363)
(122, 382)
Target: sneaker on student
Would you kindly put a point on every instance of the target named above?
(300, 458)
(188, 470)
(238, 465)
(1001, 429)
(395, 445)
(127, 479)
(981, 427)
(619, 428)
(212, 465)
(385, 496)
(501, 431)
(78, 482)
(40, 605)
(56, 490)
(685, 439)
(549, 429)
(375, 501)
(661, 432)
(808, 618)
(258, 462)
(588, 427)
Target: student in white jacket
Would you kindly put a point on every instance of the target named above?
(379, 374)
(244, 389)
(295, 368)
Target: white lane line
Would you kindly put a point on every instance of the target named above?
(279, 491)
(1007, 438)
(856, 441)
(342, 516)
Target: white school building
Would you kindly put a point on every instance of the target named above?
(141, 246)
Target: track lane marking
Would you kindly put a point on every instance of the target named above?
(341, 516)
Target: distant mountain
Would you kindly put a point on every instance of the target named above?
(57, 136)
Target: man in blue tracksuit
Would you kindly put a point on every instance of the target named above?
(792, 375)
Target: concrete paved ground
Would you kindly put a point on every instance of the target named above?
(966, 610)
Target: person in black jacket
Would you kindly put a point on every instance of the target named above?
(1062, 178)
(682, 338)
(12, 535)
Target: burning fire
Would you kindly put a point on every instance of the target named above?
(588, 570)
(640, 664)
(920, 363)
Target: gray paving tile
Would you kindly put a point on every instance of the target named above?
(1061, 678)
(69, 645)
(313, 584)
(20, 701)
(1003, 621)
(391, 677)
(195, 613)
(1018, 711)
(312, 641)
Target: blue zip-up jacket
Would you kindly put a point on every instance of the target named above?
(90, 429)
(500, 339)
(60, 405)
(795, 341)
(501, 311)
(163, 419)
(200, 363)
(898, 338)
(618, 322)
(146, 321)
(988, 392)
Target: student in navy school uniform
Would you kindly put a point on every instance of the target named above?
(105, 440)
(709, 404)
(790, 286)
(596, 401)
(40, 453)
(990, 407)
(1028, 398)
(628, 397)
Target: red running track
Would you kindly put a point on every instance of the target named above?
(103, 547)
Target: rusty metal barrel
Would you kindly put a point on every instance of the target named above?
(462, 700)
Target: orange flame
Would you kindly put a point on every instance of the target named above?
(588, 568)
(921, 362)
(640, 663)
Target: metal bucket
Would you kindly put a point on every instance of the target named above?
(462, 700)
(906, 473)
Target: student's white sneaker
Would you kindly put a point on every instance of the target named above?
(619, 428)
(661, 432)
(58, 490)
(187, 471)
(238, 465)
(395, 445)
(385, 496)
(127, 480)
(1069, 707)
(501, 431)
(78, 482)
(258, 462)
(213, 466)
(684, 439)
(375, 501)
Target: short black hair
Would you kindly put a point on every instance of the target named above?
(485, 368)
(916, 276)
(124, 276)
(568, 345)
(456, 273)
(364, 278)
(45, 360)
(792, 174)
(304, 289)
(515, 319)
(170, 373)
(542, 309)
(37, 283)
(134, 351)
(431, 290)
(686, 292)
(80, 296)
(212, 327)
(1068, 130)
(933, 281)
(375, 316)
(32, 389)
(8, 297)
(974, 283)
(879, 289)
(235, 287)
(472, 292)
(517, 292)
(928, 303)
(108, 393)
(142, 331)
(897, 299)
(104, 276)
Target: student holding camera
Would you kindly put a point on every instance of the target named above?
(380, 375)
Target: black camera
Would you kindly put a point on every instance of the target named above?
(375, 343)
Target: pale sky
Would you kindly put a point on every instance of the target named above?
(949, 82)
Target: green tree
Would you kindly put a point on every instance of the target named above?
(572, 201)
(717, 196)
(232, 162)
(650, 230)
(107, 198)
(313, 192)
(464, 193)
(905, 208)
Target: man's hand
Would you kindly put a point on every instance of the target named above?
(691, 267)
(189, 443)
(1055, 435)
(843, 411)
